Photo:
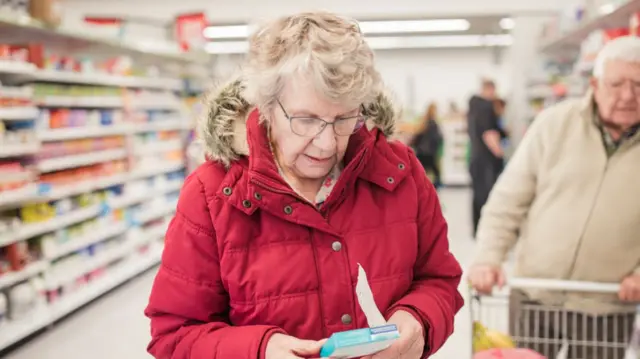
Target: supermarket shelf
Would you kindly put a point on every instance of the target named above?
(74, 245)
(31, 230)
(85, 159)
(158, 147)
(81, 102)
(156, 213)
(150, 170)
(572, 40)
(9, 199)
(16, 150)
(129, 200)
(56, 280)
(24, 29)
(85, 186)
(18, 113)
(13, 199)
(13, 332)
(107, 80)
(169, 125)
(63, 134)
(15, 67)
(11, 278)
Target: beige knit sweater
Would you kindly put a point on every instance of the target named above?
(573, 211)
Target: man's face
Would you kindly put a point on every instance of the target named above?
(617, 94)
(489, 92)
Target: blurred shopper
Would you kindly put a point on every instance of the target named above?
(485, 163)
(500, 106)
(571, 197)
(427, 143)
(262, 256)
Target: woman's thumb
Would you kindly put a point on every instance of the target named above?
(308, 347)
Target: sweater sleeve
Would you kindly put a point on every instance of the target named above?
(510, 199)
(189, 305)
(433, 298)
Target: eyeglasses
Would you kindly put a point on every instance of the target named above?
(313, 126)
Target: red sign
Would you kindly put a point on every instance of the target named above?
(189, 31)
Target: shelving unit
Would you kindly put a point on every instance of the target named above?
(106, 185)
(566, 59)
(571, 40)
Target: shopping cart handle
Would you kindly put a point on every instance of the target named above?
(563, 285)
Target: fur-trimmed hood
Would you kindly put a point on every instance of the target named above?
(222, 129)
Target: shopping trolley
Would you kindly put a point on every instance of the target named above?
(551, 330)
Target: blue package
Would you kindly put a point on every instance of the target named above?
(359, 342)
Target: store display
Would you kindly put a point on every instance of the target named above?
(92, 157)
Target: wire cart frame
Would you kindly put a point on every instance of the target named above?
(553, 331)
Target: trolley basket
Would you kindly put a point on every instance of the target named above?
(551, 330)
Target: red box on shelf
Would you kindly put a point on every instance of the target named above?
(611, 34)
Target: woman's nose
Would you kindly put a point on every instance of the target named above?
(326, 139)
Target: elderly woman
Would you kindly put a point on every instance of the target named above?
(262, 257)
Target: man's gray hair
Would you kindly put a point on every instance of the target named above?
(625, 48)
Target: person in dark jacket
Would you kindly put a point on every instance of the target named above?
(485, 134)
(427, 143)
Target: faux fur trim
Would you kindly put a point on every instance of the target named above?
(223, 127)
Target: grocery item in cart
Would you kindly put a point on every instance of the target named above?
(484, 339)
(508, 354)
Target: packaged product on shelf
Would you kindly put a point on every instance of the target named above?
(4, 307)
(47, 11)
(23, 299)
(18, 255)
(36, 213)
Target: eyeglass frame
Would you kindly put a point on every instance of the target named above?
(358, 126)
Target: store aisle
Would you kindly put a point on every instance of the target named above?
(114, 327)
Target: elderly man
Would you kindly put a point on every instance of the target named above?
(571, 197)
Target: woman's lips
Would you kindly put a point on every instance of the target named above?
(318, 160)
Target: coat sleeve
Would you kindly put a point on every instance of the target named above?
(433, 298)
(511, 198)
(189, 306)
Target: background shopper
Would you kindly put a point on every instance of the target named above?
(485, 163)
(428, 142)
(262, 256)
(569, 197)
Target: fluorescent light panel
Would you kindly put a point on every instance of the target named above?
(413, 26)
(227, 32)
(392, 42)
(367, 27)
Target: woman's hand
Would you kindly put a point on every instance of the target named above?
(282, 346)
(410, 345)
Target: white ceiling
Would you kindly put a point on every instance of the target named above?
(241, 11)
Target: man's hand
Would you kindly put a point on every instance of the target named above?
(410, 345)
(282, 346)
(484, 277)
(630, 289)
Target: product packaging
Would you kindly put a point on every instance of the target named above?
(367, 341)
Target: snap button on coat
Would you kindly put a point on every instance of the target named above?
(336, 246)
(288, 210)
(346, 319)
(227, 191)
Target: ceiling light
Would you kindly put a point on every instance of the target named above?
(392, 42)
(390, 27)
(367, 27)
(507, 23)
(227, 32)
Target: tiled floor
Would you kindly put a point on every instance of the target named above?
(114, 327)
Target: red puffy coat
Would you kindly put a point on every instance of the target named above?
(245, 257)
